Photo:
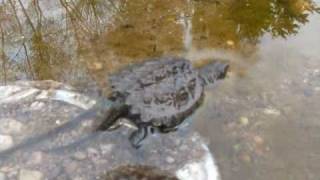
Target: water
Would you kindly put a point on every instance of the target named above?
(262, 122)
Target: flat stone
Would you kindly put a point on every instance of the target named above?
(30, 175)
(10, 126)
(6, 142)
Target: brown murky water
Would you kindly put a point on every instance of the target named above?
(262, 122)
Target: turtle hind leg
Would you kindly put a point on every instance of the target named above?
(138, 136)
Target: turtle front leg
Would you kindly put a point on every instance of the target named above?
(110, 117)
(166, 130)
(138, 136)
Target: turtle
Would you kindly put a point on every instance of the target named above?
(158, 94)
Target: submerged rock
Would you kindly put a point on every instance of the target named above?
(72, 149)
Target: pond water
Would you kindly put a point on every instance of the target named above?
(262, 122)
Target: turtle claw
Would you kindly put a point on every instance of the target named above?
(138, 136)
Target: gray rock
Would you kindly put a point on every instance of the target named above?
(79, 151)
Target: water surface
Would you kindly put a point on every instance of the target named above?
(262, 122)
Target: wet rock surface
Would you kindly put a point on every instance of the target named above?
(79, 152)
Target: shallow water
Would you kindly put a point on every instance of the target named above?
(261, 122)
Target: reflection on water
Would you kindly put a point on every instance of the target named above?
(63, 40)
(80, 41)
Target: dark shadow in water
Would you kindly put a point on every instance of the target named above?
(138, 172)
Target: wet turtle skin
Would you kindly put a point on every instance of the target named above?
(159, 94)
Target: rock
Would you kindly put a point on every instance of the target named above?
(75, 151)
(30, 175)
(2, 176)
(10, 126)
(6, 142)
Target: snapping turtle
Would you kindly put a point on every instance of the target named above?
(158, 94)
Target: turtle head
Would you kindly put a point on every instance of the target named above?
(213, 72)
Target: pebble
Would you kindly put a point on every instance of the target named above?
(79, 155)
(71, 167)
(10, 126)
(37, 105)
(93, 152)
(170, 159)
(30, 175)
(6, 142)
(230, 43)
(244, 121)
(245, 158)
(97, 65)
(258, 140)
(183, 147)
(36, 157)
(237, 147)
(272, 111)
(2, 176)
(106, 148)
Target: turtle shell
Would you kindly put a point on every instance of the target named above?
(162, 91)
